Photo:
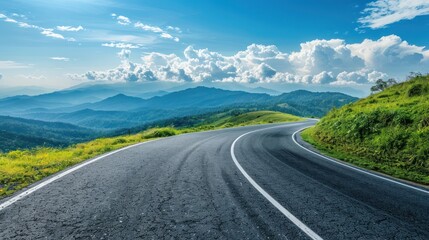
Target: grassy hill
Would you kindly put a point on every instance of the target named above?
(20, 168)
(386, 132)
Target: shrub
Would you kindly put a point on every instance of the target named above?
(160, 132)
(415, 90)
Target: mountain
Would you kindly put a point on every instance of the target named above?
(387, 131)
(306, 103)
(66, 100)
(118, 102)
(24, 103)
(204, 97)
(28, 90)
(24, 133)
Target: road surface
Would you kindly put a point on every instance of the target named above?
(195, 186)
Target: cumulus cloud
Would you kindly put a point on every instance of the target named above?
(381, 13)
(390, 54)
(321, 55)
(64, 59)
(69, 28)
(317, 62)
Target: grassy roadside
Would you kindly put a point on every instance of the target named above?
(345, 154)
(386, 132)
(21, 168)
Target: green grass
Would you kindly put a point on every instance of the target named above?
(386, 132)
(21, 168)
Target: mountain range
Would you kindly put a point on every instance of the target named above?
(107, 107)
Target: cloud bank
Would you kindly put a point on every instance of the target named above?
(381, 13)
(317, 62)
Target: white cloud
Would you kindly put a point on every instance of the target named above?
(124, 54)
(48, 32)
(19, 15)
(69, 28)
(64, 59)
(177, 29)
(123, 20)
(323, 78)
(163, 33)
(12, 65)
(324, 55)
(391, 54)
(317, 62)
(121, 45)
(156, 29)
(381, 13)
(149, 28)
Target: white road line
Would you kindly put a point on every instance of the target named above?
(56, 177)
(355, 168)
(276, 204)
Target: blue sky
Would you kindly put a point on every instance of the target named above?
(61, 43)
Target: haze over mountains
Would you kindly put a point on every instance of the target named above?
(114, 107)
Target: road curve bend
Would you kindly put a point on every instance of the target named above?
(251, 182)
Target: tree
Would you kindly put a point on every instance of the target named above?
(391, 82)
(380, 84)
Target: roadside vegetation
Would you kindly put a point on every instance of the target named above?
(21, 168)
(386, 132)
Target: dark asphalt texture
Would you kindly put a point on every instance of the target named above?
(188, 187)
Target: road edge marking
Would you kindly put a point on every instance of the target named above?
(44, 183)
(353, 167)
(276, 204)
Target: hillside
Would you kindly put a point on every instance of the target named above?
(20, 168)
(386, 132)
(18, 133)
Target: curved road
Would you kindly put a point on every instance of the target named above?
(195, 186)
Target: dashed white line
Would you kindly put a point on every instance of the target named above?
(276, 204)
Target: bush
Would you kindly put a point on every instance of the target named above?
(415, 90)
(160, 132)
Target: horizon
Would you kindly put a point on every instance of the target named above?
(276, 46)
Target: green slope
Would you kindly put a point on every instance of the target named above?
(19, 133)
(253, 118)
(20, 168)
(386, 132)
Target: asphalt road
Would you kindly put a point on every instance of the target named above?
(189, 187)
